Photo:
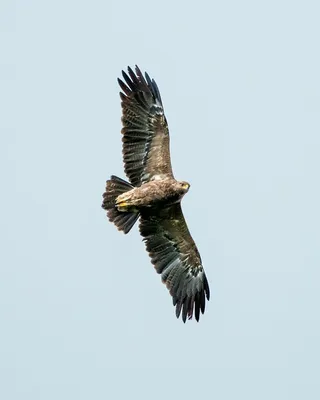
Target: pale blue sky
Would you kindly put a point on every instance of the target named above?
(83, 313)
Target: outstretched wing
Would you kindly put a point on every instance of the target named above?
(146, 153)
(176, 257)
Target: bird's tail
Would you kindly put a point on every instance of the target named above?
(123, 220)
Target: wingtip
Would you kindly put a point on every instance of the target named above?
(138, 71)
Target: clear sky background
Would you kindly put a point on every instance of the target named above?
(83, 313)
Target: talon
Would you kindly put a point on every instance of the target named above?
(122, 206)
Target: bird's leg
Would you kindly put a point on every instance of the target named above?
(124, 202)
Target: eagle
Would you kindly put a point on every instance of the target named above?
(153, 195)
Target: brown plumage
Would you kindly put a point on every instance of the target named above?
(154, 196)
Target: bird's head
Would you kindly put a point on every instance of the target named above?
(184, 186)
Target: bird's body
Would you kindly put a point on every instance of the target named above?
(154, 195)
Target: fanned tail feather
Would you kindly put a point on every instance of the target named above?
(123, 220)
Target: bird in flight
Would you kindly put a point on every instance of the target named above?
(154, 196)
